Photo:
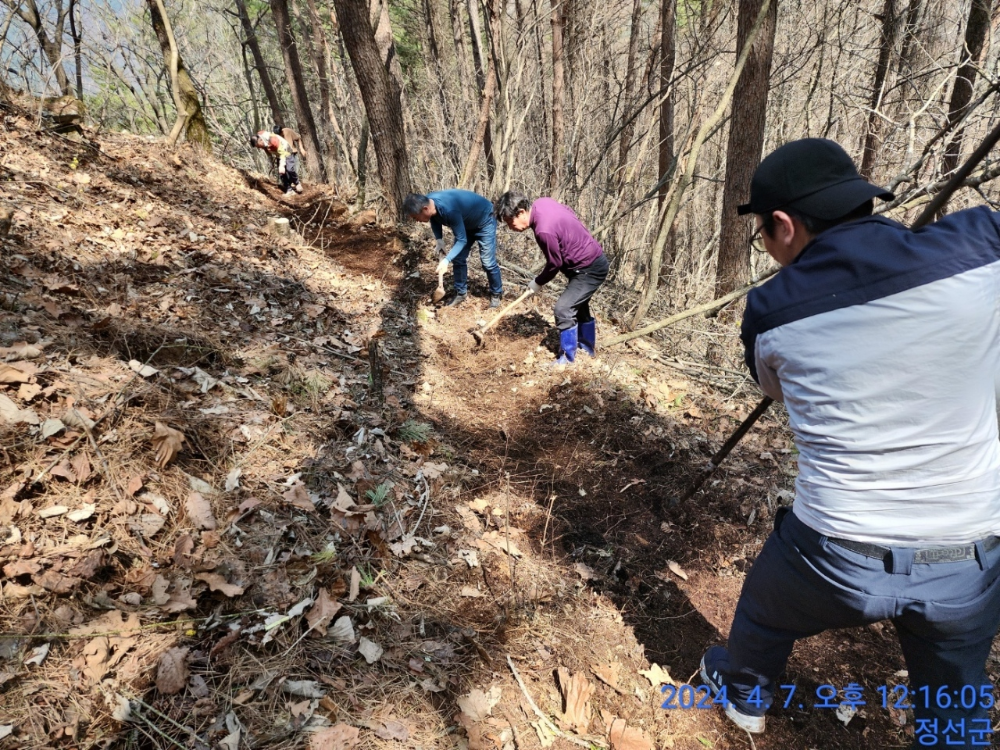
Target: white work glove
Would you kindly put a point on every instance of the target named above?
(439, 246)
(533, 287)
(442, 266)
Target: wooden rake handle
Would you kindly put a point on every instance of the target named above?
(511, 306)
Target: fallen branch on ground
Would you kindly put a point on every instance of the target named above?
(708, 307)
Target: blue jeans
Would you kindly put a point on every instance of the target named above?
(946, 615)
(486, 236)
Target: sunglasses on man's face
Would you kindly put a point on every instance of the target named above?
(756, 241)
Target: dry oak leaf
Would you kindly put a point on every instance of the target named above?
(199, 510)
(172, 671)
(134, 485)
(299, 497)
(10, 374)
(393, 730)
(217, 583)
(576, 692)
(13, 414)
(21, 568)
(57, 583)
(81, 467)
(337, 737)
(322, 612)
(657, 676)
(167, 441)
(499, 541)
(608, 673)
(477, 705)
(624, 737)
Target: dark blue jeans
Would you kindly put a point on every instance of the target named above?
(486, 236)
(946, 615)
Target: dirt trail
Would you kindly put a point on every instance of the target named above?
(368, 515)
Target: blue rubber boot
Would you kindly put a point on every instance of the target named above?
(588, 337)
(568, 343)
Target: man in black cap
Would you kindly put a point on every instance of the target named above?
(883, 344)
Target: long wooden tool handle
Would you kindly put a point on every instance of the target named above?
(511, 306)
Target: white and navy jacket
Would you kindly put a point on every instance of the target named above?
(884, 345)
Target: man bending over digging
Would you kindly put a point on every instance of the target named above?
(883, 344)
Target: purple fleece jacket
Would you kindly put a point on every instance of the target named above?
(563, 239)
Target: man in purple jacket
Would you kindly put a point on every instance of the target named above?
(567, 247)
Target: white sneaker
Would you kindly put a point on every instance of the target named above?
(298, 188)
(290, 192)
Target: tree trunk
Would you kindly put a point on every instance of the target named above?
(905, 64)
(975, 35)
(186, 98)
(746, 140)
(297, 86)
(482, 128)
(668, 23)
(379, 21)
(316, 42)
(625, 144)
(248, 74)
(382, 97)
(558, 98)
(450, 147)
(51, 47)
(362, 158)
(686, 177)
(76, 34)
(484, 69)
(875, 120)
(277, 113)
(458, 38)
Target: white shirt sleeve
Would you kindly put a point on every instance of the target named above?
(767, 376)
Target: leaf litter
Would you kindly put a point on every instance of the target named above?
(177, 539)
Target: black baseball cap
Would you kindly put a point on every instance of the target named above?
(812, 175)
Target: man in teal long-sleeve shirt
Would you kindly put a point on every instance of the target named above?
(470, 218)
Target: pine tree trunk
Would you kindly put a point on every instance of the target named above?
(297, 87)
(382, 97)
(746, 140)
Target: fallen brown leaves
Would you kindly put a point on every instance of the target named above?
(167, 442)
(576, 692)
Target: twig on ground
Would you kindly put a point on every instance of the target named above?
(166, 718)
(545, 721)
(427, 497)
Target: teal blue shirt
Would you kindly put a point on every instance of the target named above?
(462, 211)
